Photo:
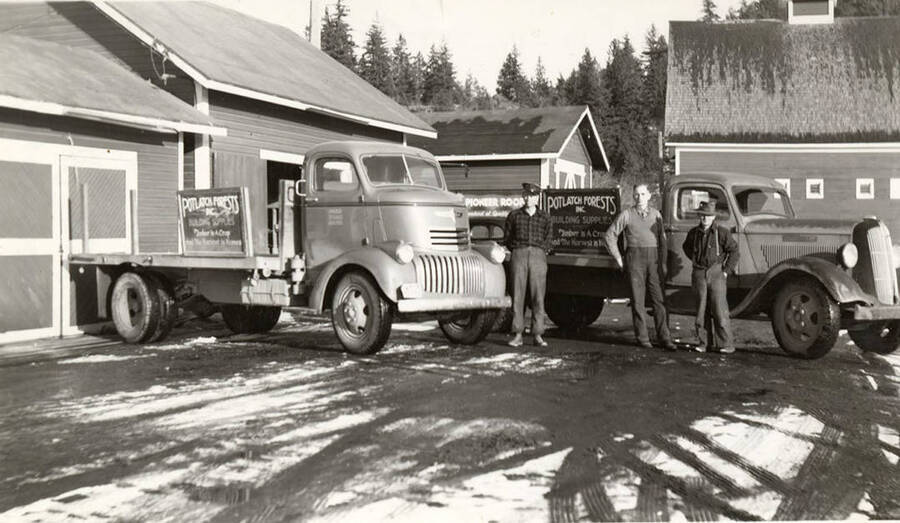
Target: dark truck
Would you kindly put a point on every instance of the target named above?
(809, 277)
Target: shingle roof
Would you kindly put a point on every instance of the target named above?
(768, 81)
(518, 131)
(56, 79)
(241, 51)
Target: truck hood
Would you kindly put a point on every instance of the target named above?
(800, 226)
(418, 196)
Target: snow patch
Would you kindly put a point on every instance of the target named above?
(103, 358)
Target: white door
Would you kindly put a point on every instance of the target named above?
(30, 244)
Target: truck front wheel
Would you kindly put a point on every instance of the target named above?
(573, 312)
(470, 328)
(882, 337)
(361, 316)
(250, 319)
(135, 307)
(805, 319)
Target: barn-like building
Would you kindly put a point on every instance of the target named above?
(813, 102)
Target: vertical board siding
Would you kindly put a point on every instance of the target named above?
(189, 174)
(492, 175)
(80, 24)
(254, 125)
(575, 151)
(157, 165)
(838, 171)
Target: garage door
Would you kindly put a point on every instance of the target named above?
(29, 248)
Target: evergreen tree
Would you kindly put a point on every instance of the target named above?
(475, 96)
(585, 86)
(511, 82)
(337, 41)
(709, 12)
(625, 130)
(417, 67)
(540, 86)
(375, 63)
(440, 79)
(759, 9)
(402, 73)
(655, 74)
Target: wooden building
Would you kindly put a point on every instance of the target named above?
(813, 103)
(82, 141)
(556, 147)
(248, 97)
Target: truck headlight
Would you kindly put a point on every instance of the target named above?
(404, 253)
(497, 253)
(848, 255)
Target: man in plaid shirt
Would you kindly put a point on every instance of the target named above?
(528, 235)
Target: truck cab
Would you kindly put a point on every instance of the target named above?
(811, 277)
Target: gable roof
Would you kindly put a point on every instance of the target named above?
(512, 134)
(50, 78)
(770, 82)
(227, 51)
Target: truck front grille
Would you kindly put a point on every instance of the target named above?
(461, 275)
(879, 240)
(449, 239)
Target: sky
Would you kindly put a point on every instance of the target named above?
(480, 33)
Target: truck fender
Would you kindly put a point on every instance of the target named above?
(387, 272)
(839, 285)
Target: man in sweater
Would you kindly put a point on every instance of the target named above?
(714, 255)
(645, 263)
(528, 234)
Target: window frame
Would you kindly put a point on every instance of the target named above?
(317, 168)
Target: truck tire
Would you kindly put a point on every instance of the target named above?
(504, 320)
(570, 312)
(471, 328)
(360, 315)
(168, 309)
(805, 319)
(250, 319)
(881, 337)
(135, 307)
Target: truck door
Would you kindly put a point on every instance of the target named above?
(683, 200)
(335, 212)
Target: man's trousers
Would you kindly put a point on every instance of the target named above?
(713, 320)
(642, 264)
(529, 270)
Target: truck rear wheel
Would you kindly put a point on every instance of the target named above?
(570, 312)
(250, 319)
(135, 307)
(881, 337)
(168, 309)
(470, 328)
(805, 319)
(361, 316)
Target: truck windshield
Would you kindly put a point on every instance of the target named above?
(401, 169)
(753, 201)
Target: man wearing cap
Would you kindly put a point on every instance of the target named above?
(645, 263)
(714, 254)
(528, 235)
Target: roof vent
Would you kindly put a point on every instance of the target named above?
(811, 11)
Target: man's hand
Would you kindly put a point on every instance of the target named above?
(619, 264)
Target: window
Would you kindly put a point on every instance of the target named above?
(335, 174)
(865, 188)
(895, 188)
(397, 169)
(786, 183)
(690, 198)
(815, 188)
(753, 201)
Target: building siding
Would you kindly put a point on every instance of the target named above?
(157, 163)
(80, 24)
(838, 171)
(492, 175)
(575, 151)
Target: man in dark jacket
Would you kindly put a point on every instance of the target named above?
(528, 236)
(714, 254)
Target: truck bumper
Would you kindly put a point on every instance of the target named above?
(876, 312)
(452, 304)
